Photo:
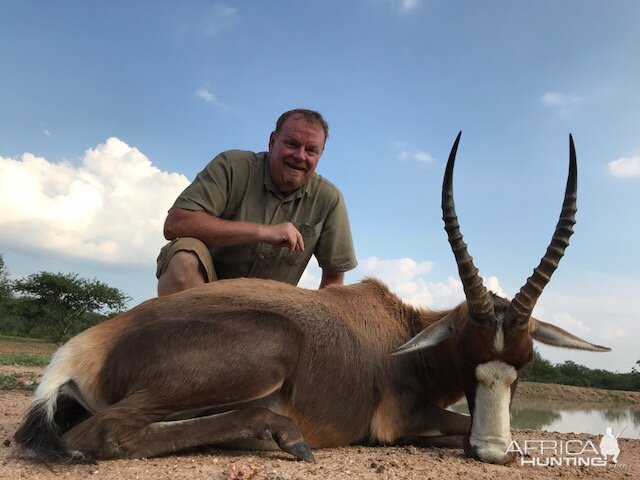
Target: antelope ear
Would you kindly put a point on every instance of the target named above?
(551, 335)
(430, 336)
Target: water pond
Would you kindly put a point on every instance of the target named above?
(567, 417)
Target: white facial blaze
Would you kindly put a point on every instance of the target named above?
(490, 429)
(498, 341)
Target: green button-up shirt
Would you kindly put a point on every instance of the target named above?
(237, 185)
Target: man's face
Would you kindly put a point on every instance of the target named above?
(294, 153)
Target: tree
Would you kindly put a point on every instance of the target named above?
(540, 370)
(6, 296)
(61, 305)
(6, 291)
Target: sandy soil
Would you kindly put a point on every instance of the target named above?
(338, 463)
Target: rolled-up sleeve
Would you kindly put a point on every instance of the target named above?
(334, 250)
(210, 189)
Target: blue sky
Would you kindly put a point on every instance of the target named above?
(109, 109)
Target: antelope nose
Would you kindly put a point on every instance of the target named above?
(490, 453)
(499, 459)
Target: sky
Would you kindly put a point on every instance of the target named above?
(109, 109)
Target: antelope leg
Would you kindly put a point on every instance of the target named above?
(255, 423)
(432, 426)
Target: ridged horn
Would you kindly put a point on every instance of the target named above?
(522, 304)
(478, 297)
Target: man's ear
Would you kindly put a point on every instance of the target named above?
(272, 139)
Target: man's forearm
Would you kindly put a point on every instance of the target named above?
(210, 229)
(219, 232)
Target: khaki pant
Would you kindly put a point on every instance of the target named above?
(188, 244)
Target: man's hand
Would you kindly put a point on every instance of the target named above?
(284, 235)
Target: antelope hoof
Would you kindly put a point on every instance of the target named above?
(301, 451)
(83, 458)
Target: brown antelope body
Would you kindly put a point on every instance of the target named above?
(259, 364)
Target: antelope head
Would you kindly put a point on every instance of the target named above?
(493, 340)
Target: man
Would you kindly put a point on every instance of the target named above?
(260, 214)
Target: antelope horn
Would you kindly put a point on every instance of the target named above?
(522, 304)
(478, 297)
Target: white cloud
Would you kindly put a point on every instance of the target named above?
(393, 271)
(405, 6)
(405, 153)
(220, 18)
(625, 167)
(422, 157)
(493, 285)
(417, 155)
(553, 99)
(603, 310)
(45, 130)
(570, 324)
(110, 208)
(406, 278)
(611, 332)
(206, 95)
(562, 105)
(311, 275)
(211, 98)
(402, 7)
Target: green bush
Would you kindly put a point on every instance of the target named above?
(54, 306)
(571, 373)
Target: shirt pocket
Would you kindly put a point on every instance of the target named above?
(310, 235)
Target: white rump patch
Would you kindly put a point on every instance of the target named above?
(64, 367)
(56, 374)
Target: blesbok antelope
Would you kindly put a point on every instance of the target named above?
(259, 364)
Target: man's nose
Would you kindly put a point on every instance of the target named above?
(300, 153)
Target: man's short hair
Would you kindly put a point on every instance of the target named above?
(311, 116)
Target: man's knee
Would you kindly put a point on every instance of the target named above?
(183, 271)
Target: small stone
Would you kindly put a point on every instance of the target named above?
(240, 471)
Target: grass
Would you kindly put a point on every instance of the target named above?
(24, 359)
(14, 382)
(23, 352)
(8, 382)
(23, 339)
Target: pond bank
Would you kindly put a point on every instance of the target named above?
(558, 393)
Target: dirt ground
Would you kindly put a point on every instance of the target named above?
(338, 463)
